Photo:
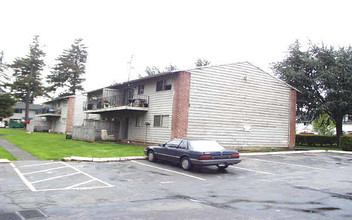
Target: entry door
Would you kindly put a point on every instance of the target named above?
(125, 129)
(128, 96)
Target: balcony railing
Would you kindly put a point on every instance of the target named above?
(117, 101)
(49, 111)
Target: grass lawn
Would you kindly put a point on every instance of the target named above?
(48, 146)
(4, 154)
(317, 148)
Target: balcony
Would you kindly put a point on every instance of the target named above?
(117, 103)
(49, 112)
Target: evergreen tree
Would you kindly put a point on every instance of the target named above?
(27, 84)
(68, 72)
(6, 103)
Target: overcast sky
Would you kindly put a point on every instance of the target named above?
(159, 33)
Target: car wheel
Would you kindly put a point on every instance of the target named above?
(186, 163)
(222, 167)
(151, 156)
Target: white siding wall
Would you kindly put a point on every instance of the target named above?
(59, 123)
(160, 103)
(223, 104)
(78, 115)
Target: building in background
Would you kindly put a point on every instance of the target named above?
(61, 114)
(237, 104)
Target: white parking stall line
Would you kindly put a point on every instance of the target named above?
(289, 164)
(80, 188)
(79, 184)
(342, 157)
(88, 175)
(56, 177)
(42, 171)
(28, 184)
(256, 171)
(167, 170)
(75, 186)
(39, 164)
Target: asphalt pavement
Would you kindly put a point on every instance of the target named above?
(296, 186)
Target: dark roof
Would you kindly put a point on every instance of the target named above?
(22, 105)
(58, 99)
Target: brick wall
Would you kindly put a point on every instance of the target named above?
(180, 105)
(70, 115)
(293, 101)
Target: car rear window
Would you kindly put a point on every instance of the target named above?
(205, 145)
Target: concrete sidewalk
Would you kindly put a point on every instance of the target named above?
(16, 151)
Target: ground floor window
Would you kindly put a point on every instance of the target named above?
(161, 120)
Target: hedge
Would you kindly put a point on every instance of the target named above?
(315, 140)
(346, 143)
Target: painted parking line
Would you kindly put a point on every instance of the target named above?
(56, 177)
(28, 184)
(341, 157)
(39, 164)
(256, 171)
(289, 164)
(167, 170)
(77, 186)
(43, 171)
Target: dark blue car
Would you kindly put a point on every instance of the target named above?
(189, 152)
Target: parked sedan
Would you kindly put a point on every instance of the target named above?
(189, 152)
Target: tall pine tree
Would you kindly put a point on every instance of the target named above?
(27, 73)
(69, 70)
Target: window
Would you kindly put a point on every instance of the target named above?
(183, 145)
(161, 120)
(159, 85)
(173, 143)
(138, 119)
(162, 85)
(18, 110)
(140, 89)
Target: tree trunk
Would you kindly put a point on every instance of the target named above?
(28, 96)
(338, 130)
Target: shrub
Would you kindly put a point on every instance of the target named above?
(346, 143)
(316, 140)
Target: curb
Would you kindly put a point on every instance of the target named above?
(108, 159)
(283, 152)
(4, 161)
(340, 152)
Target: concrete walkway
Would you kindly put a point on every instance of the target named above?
(16, 151)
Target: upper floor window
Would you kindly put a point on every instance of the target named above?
(163, 85)
(140, 89)
(17, 110)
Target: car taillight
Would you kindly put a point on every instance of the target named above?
(235, 156)
(205, 157)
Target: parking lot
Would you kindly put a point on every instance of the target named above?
(282, 186)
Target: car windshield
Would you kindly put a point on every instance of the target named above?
(205, 145)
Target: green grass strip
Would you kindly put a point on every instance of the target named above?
(4, 154)
(48, 146)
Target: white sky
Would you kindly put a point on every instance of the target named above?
(178, 32)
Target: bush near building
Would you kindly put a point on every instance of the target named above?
(346, 143)
(316, 140)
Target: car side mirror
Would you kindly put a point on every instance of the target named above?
(162, 145)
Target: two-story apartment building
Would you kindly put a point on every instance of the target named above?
(238, 105)
(19, 112)
(61, 114)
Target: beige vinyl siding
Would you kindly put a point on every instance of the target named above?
(78, 115)
(224, 100)
(160, 103)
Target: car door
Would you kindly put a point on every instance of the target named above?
(170, 150)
